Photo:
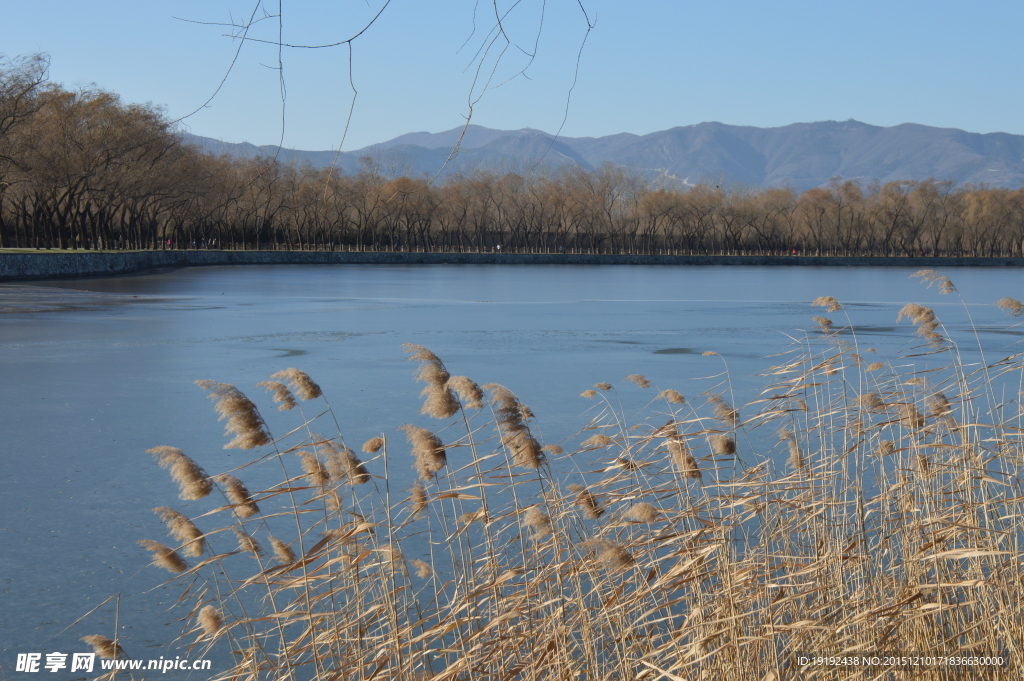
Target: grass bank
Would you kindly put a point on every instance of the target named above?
(23, 265)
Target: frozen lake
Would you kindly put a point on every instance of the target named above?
(96, 371)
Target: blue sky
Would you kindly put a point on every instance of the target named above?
(646, 66)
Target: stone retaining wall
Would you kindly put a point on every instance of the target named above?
(59, 264)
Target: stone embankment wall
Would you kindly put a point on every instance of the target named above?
(50, 264)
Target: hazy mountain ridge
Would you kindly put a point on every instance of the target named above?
(801, 155)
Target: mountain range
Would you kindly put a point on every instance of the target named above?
(801, 155)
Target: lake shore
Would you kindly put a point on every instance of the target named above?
(22, 265)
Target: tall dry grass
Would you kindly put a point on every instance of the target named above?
(848, 509)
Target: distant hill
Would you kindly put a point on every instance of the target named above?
(801, 155)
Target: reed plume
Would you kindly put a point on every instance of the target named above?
(104, 647)
(925, 319)
(585, 500)
(639, 380)
(939, 406)
(553, 450)
(418, 500)
(469, 517)
(871, 402)
(164, 556)
(627, 464)
(874, 366)
(284, 553)
(421, 568)
(723, 445)
(723, 411)
(427, 451)
(440, 401)
(512, 428)
(910, 416)
(1012, 307)
(193, 483)
(246, 544)
(344, 465)
(242, 502)
(673, 396)
(182, 529)
(603, 386)
(598, 440)
(589, 394)
(828, 302)
(611, 555)
(669, 430)
(469, 392)
(316, 474)
(300, 382)
(373, 445)
(210, 620)
(824, 322)
(796, 456)
(538, 521)
(931, 277)
(643, 512)
(683, 459)
(244, 420)
(885, 448)
(280, 394)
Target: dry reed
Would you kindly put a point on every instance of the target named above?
(643, 512)
(427, 450)
(242, 502)
(284, 553)
(280, 394)
(586, 501)
(510, 417)
(931, 277)
(673, 396)
(422, 568)
(723, 445)
(300, 382)
(892, 526)
(828, 302)
(639, 380)
(683, 459)
(243, 419)
(343, 464)
(440, 401)
(182, 529)
(597, 441)
(210, 620)
(104, 647)
(192, 480)
(246, 544)
(724, 411)
(418, 500)
(164, 556)
(315, 472)
(373, 445)
(823, 322)
(469, 392)
(1011, 306)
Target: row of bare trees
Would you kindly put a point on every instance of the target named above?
(83, 170)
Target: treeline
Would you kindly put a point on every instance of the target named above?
(83, 170)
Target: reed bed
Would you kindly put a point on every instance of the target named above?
(849, 509)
